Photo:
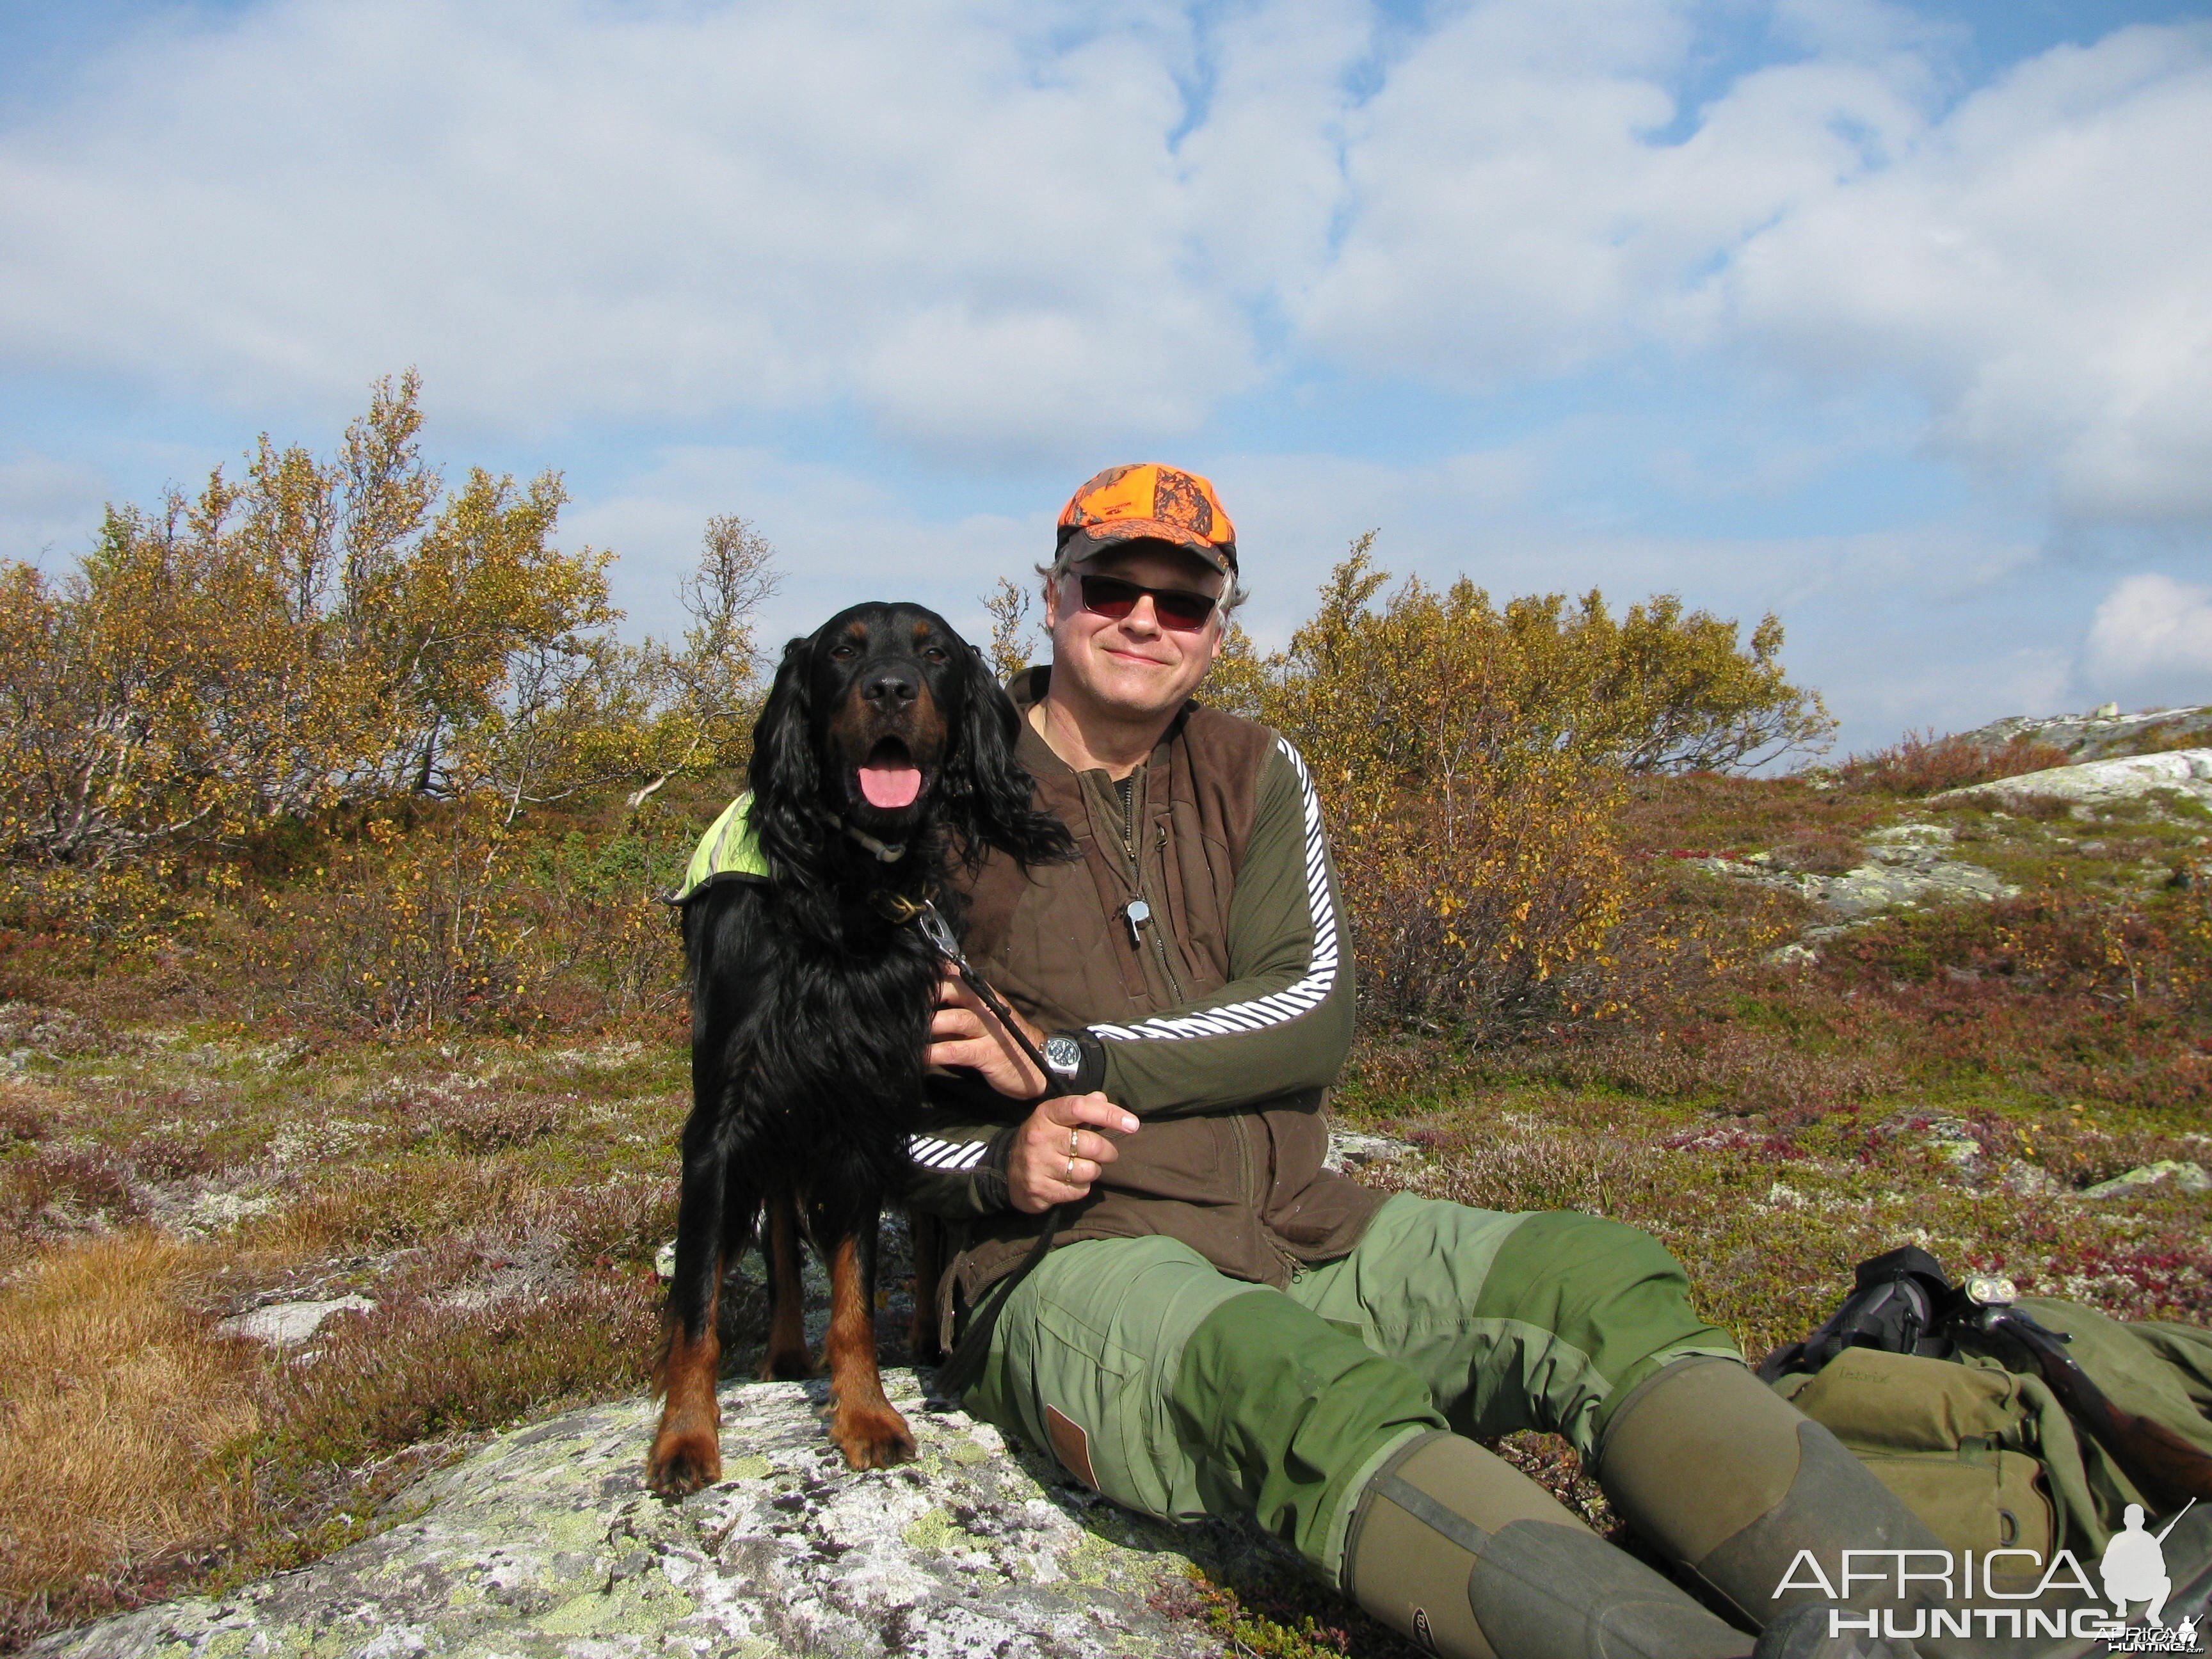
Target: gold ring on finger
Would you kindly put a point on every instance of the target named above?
(1074, 1146)
(1070, 1172)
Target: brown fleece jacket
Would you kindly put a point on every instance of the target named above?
(1220, 1021)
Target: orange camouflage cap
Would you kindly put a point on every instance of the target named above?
(1151, 502)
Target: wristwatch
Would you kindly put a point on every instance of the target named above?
(1074, 1063)
(1063, 1058)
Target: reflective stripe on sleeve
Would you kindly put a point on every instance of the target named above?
(946, 1154)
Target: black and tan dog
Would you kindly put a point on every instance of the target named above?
(883, 761)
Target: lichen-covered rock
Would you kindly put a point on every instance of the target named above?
(2186, 772)
(545, 1541)
(288, 1324)
(2188, 1177)
(27, 1031)
(1905, 868)
(1349, 1151)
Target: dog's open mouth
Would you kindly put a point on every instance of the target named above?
(890, 780)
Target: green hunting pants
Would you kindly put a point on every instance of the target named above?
(1181, 1393)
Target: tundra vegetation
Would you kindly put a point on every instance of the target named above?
(333, 811)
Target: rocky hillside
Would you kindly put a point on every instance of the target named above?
(323, 1340)
(544, 1542)
(2103, 732)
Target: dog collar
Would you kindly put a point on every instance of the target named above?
(890, 852)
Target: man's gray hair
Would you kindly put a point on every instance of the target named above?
(1069, 558)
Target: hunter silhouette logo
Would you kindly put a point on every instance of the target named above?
(2134, 1569)
(2134, 1565)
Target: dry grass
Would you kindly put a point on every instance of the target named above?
(498, 1203)
(1770, 1220)
(123, 1423)
(1707, 813)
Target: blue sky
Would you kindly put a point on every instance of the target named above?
(1892, 318)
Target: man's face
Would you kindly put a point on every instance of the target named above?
(1130, 664)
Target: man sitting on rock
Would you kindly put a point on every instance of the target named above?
(1221, 1324)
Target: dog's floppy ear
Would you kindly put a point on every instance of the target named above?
(785, 776)
(986, 793)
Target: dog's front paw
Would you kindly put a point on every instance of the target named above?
(683, 1461)
(872, 1438)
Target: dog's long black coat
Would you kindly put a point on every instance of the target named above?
(810, 1004)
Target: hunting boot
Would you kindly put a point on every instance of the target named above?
(1732, 1481)
(1460, 1550)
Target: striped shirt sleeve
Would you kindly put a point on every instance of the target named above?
(949, 1155)
(1283, 1023)
(957, 1170)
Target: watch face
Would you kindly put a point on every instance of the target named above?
(1064, 1054)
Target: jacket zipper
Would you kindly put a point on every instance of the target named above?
(1149, 921)
(1240, 1125)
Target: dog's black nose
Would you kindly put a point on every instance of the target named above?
(889, 687)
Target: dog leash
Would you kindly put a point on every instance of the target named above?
(965, 1363)
(929, 921)
(938, 932)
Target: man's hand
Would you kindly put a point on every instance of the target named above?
(1058, 1151)
(963, 1033)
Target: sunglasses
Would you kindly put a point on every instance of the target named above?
(1179, 610)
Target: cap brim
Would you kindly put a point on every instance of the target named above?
(1114, 531)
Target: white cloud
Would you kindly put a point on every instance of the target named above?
(1515, 212)
(1002, 234)
(2152, 627)
(2030, 261)
(1262, 169)
(953, 218)
(840, 535)
(2035, 267)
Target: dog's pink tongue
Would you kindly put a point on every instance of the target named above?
(891, 787)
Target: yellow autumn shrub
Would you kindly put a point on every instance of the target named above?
(1472, 759)
(319, 634)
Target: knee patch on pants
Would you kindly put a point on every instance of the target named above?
(1615, 1303)
(1290, 1413)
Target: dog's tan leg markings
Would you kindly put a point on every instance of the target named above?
(787, 1358)
(927, 1233)
(866, 1427)
(687, 1452)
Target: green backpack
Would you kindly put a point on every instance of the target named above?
(2007, 1422)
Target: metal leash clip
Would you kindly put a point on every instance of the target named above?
(938, 932)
